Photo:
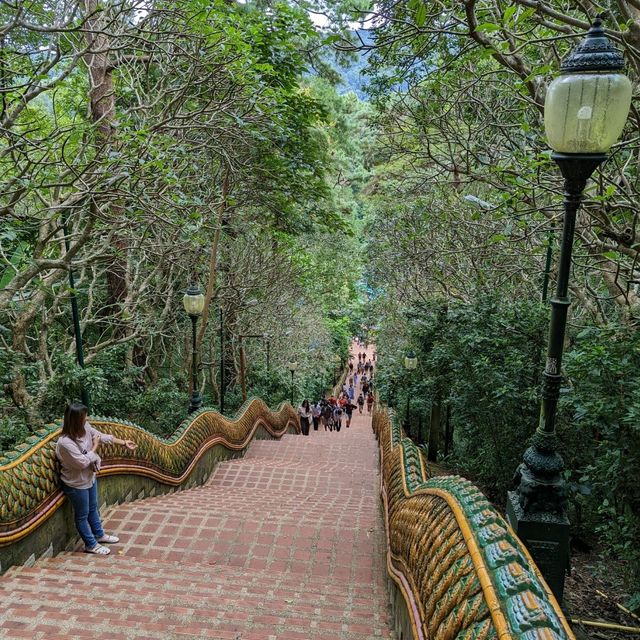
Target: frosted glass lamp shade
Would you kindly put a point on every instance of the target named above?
(193, 301)
(410, 361)
(586, 112)
(293, 365)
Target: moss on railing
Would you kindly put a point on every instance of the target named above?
(461, 571)
(30, 495)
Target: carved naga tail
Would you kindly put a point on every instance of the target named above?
(461, 572)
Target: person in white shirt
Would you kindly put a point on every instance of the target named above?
(304, 410)
(315, 413)
(76, 449)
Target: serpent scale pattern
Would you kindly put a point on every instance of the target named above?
(29, 475)
(462, 571)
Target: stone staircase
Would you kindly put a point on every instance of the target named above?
(286, 543)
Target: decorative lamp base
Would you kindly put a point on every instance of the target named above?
(546, 536)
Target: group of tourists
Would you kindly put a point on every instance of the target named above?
(328, 412)
(363, 367)
(332, 411)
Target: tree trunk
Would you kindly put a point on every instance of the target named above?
(101, 92)
(448, 433)
(102, 105)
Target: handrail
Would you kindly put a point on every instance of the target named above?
(458, 565)
(29, 476)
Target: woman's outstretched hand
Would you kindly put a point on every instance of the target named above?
(130, 444)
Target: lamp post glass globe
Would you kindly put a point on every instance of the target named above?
(586, 107)
(193, 301)
(410, 361)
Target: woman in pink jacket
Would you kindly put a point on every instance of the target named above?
(77, 451)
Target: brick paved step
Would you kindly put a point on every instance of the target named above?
(328, 445)
(136, 574)
(330, 492)
(152, 599)
(120, 567)
(139, 576)
(314, 535)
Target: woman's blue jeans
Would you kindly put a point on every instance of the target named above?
(85, 510)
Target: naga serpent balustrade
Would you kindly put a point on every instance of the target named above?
(29, 476)
(461, 571)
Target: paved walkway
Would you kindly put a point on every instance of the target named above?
(286, 543)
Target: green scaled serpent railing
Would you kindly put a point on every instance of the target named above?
(29, 476)
(458, 569)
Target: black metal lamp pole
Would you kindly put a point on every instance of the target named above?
(410, 363)
(585, 111)
(196, 399)
(293, 365)
(576, 169)
(193, 302)
(547, 263)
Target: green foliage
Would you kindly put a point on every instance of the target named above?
(482, 361)
(66, 384)
(160, 408)
(274, 385)
(603, 439)
(463, 199)
(117, 390)
(229, 132)
(13, 430)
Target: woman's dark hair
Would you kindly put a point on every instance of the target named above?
(305, 404)
(75, 416)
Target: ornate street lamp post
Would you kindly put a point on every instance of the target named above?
(585, 111)
(293, 365)
(193, 302)
(410, 363)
